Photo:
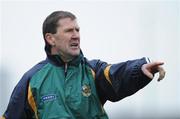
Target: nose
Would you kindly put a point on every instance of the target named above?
(75, 34)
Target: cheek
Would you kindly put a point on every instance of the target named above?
(62, 44)
(63, 41)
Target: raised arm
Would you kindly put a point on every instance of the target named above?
(116, 81)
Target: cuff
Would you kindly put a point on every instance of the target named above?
(148, 60)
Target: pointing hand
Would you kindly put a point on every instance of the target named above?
(151, 68)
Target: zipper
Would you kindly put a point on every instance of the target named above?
(65, 68)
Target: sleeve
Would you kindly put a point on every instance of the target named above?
(18, 107)
(117, 81)
(22, 104)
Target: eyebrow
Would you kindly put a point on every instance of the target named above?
(69, 29)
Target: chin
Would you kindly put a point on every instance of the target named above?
(75, 53)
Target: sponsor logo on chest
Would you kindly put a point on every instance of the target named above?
(49, 97)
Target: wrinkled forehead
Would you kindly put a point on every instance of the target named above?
(67, 23)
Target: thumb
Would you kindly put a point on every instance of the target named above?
(161, 73)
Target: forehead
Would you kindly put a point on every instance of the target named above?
(67, 23)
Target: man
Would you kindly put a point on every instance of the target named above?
(68, 86)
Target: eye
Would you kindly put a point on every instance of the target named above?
(69, 30)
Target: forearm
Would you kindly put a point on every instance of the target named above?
(120, 80)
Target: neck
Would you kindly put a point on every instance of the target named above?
(65, 59)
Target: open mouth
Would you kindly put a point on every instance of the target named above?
(74, 45)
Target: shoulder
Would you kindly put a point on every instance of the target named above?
(95, 64)
(28, 75)
(35, 69)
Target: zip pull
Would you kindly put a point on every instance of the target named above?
(65, 68)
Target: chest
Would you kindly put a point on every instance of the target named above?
(66, 93)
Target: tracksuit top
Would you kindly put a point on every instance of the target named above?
(78, 89)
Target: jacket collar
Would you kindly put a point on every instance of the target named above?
(57, 60)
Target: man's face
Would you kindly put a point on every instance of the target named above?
(67, 39)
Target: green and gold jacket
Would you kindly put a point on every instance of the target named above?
(78, 89)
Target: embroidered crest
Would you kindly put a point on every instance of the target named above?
(86, 90)
(49, 97)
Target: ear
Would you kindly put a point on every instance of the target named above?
(50, 39)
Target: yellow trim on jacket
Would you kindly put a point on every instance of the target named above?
(32, 102)
(106, 74)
